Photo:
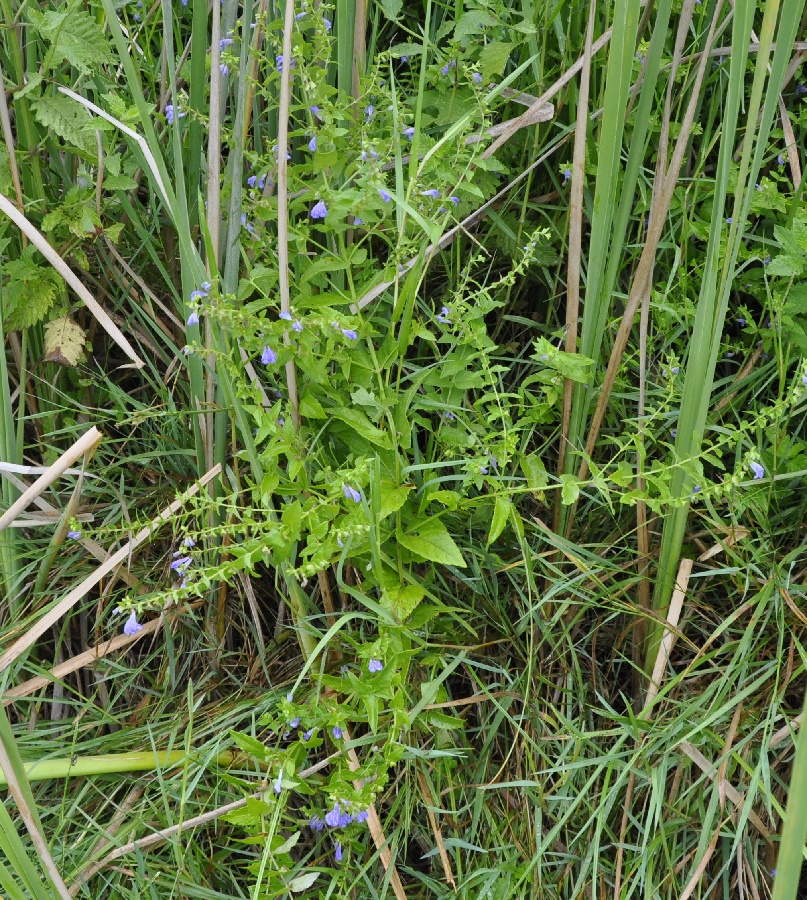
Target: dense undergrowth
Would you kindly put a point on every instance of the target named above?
(446, 505)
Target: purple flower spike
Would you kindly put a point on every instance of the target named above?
(320, 210)
(336, 731)
(432, 192)
(332, 818)
(350, 494)
(279, 61)
(285, 314)
(268, 357)
(315, 823)
(193, 318)
(375, 665)
(757, 469)
(338, 851)
(74, 535)
(385, 196)
(361, 816)
(345, 819)
(132, 626)
(169, 113)
(350, 334)
(312, 144)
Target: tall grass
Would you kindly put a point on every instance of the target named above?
(537, 436)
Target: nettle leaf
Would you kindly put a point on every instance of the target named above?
(430, 539)
(471, 23)
(66, 118)
(30, 291)
(493, 58)
(64, 342)
(74, 38)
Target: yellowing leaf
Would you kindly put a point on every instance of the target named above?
(64, 342)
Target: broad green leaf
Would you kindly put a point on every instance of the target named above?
(393, 497)
(74, 38)
(66, 118)
(359, 422)
(570, 490)
(303, 882)
(30, 291)
(471, 23)
(493, 58)
(403, 601)
(289, 843)
(250, 745)
(535, 472)
(391, 8)
(430, 539)
(500, 513)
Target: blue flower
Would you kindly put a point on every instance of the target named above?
(248, 225)
(188, 351)
(338, 851)
(189, 542)
(336, 731)
(74, 535)
(409, 132)
(780, 159)
(132, 626)
(297, 325)
(354, 495)
(675, 370)
(315, 112)
(358, 221)
(279, 61)
(368, 112)
(804, 380)
(332, 818)
(350, 334)
(567, 174)
(375, 665)
(312, 144)
(224, 69)
(136, 17)
(445, 69)
(268, 357)
(278, 785)
(477, 77)
(307, 734)
(326, 23)
(320, 210)
(256, 180)
(169, 113)
(315, 823)
(199, 295)
(432, 192)
(285, 314)
(299, 16)
(180, 565)
(741, 321)
(757, 469)
(361, 816)
(294, 722)
(801, 89)
(224, 42)
(728, 221)
(385, 196)
(454, 200)
(193, 318)
(696, 489)
(449, 416)
(345, 819)
(443, 317)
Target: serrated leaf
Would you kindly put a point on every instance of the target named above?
(64, 342)
(303, 882)
(250, 745)
(33, 82)
(535, 472)
(501, 511)
(75, 38)
(119, 183)
(362, 426)
(66, 118)
(430, 539)
(493, 58)
(391, 8)
(311, 408)
(30, 291)
(399, 50)
(393, 497)
(472, 23)
(403, 601)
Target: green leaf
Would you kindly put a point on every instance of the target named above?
(430, 539)
(311, 408)
(66, 118)
(33, 82)
(403, 601)
(570, 490)
(303, 882)
(250, 745)
(30, 291)
(471, 23)
(493, 58)
(74, 38)
(535, 472)
(501, 512)
(359, 422)
(288, 844)
(393, 497)
(391, 8)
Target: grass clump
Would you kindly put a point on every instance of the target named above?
(440, 535)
